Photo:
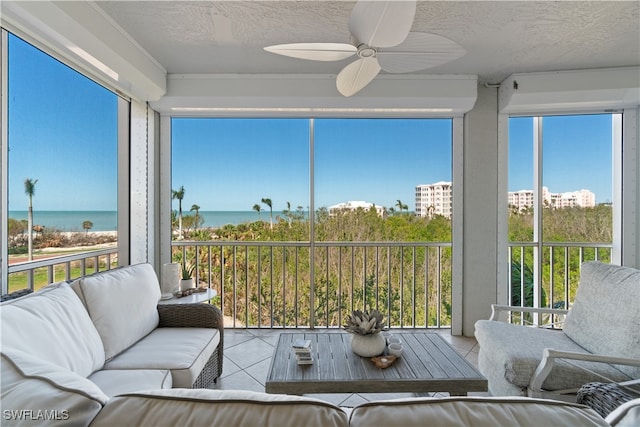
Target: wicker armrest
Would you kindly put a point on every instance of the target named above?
(195, 315)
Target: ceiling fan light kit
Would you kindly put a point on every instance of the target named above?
(381, 38)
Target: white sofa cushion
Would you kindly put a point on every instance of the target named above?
(113, 381)
(201, 407)
(604, 318)
(122, 304)
(53, 324)
(35, 392)
(625, 415)
(182, 350)
(473, 411)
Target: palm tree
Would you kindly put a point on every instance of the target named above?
(197, 209)
(179, 194)
(30, 190)
(288, 213)
(257, 208)
(267, 202)
(87, 225)
(401, 206)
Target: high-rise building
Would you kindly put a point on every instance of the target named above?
(434, 199)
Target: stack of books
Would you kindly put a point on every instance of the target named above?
(302, 350)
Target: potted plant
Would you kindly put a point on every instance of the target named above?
(187, 277)
(365, 328)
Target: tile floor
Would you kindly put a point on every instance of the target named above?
(248, 352)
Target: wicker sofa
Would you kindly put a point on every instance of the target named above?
(107, 332)
(600, 340)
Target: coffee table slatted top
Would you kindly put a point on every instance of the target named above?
(428, 364)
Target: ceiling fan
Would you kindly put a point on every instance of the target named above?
(382, 40)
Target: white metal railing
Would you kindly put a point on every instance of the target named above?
(41, 272)
(549, 274)
(270, 284)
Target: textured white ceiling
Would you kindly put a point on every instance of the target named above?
(501, 37)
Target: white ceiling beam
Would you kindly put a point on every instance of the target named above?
(316, 96)
(81, 34)
(570, 91)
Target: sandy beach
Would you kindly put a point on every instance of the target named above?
(85, 238)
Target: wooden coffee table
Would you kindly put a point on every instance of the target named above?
(428, 364)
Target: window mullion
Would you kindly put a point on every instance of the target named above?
(538, 201)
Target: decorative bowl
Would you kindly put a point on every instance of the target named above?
(383, 361)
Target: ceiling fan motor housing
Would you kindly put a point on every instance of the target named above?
(365, 51)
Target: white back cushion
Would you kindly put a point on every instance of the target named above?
(122, 304)
(473, 411)
(604, 317)
(53, 324)
(202, 407)
(35, 392)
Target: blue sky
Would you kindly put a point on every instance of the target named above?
(62, 131)
(231, 164)
(576, 154)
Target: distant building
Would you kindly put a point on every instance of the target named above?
(437, 199)
(521, 200)
(434, 199)
(354, 205)
(524, 199)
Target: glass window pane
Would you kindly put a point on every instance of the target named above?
(393, 169)
(241, 179)
(62, 139)
(577, 178)
(521, 179)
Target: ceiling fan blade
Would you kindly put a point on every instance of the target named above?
(357, 75)
(382, 23)
(314, 51)
(419, 51)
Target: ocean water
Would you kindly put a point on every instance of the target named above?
(71, 220)
(107, 220)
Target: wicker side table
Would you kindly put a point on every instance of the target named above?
(603, 397)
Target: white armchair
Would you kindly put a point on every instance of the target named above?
(597, 340)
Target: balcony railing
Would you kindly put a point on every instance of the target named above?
(275, 284)
(555, 267)
(38, 273)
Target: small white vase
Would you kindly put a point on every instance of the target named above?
(186, 284)
(368, 345)
(170, 278)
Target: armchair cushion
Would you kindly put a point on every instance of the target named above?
(602, 300)
(122, 304)
(516, 351)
